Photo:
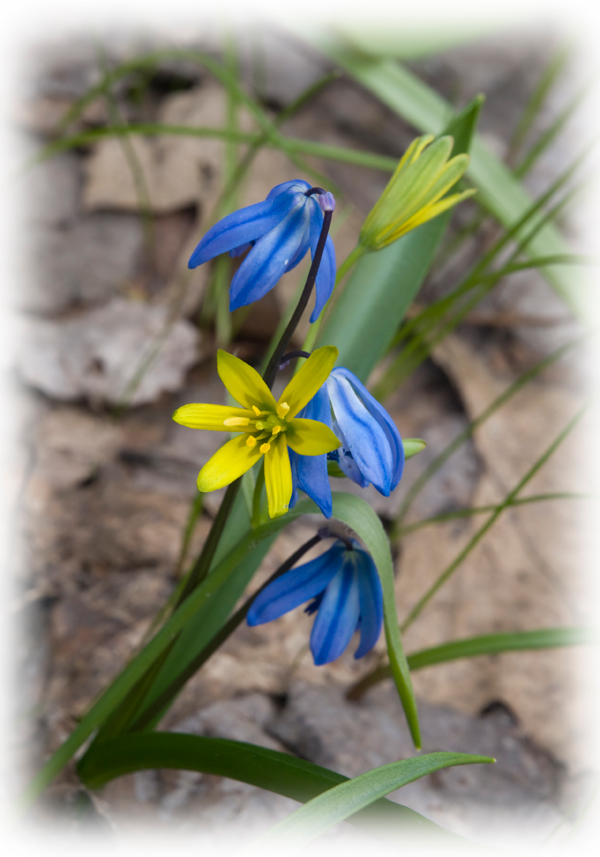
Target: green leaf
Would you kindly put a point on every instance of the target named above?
(413, 446)
(322, 812)
(383, 284)
(500, 193)
(268, 769)
(140, 664)
(486, 644)
(357, 514)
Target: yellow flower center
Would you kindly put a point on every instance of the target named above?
(266, 427)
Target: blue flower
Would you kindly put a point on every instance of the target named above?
(278, 233)
(372, 450)
(347, 597)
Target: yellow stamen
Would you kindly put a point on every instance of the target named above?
(282, 409)
(256, 411)
(236, 421)
(251, 441)
(276, 429)
(265, 447)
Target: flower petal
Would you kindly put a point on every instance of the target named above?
(243, 382)
(305, 384)
(371, 603)
(270, 257)
(245, 225)
(229, 462)
(278, 477)
(295, 587)
(311, 477)
(383, 419)
(365, 438)
(326, 274)
(309, 472)
(211, 417)
(346, 460)
(292, 186)
(309, 437)
(337, 616)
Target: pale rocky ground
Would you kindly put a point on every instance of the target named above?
(104, 500)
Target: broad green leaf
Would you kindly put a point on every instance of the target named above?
(500, 193)
(357, 514)
(268, 769)
(486, 644)
(383, 284)
(142, 662)
(337, 804)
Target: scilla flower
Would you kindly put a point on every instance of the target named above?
(415, 192)
(347, 595)
(371, 452)
(268, 427)
(278, 233)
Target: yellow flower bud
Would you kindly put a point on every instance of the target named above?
(414, 193)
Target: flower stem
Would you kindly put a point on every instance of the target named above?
(350, 260)
(228, 628)
(271, 370)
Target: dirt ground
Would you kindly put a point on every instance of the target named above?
(105, 498)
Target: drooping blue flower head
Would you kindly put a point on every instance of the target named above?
(278, 232)
(347, 597)
(372, 450)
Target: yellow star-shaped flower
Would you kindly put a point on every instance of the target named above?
(268, 427)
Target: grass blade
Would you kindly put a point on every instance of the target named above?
(337, 804)
(486, 644)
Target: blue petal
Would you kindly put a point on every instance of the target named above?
(294, 466)
(296, 586)
(326, 275)
(338, 615)
(346, 460)
(269, 259)
(314, 480)
(310, 471)
(383, 418)
(371, 603)
(241, 227)
(364, 437)
(293, 186)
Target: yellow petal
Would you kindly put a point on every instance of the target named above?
(310, 437)
(243, 382)
(278, 477)
(309, 379)
(231, 461)
(208, 416)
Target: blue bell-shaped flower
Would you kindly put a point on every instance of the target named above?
(347, 595)
(278, 232)
(372, 450)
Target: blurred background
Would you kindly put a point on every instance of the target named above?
(118, 333)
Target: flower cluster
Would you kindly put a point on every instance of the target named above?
(325, 417)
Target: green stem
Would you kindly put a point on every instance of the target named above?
(417, 609)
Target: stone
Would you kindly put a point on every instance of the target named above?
(96, 355)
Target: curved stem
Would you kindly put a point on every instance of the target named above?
(273, 365)
(346, 265)
(228, 628)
